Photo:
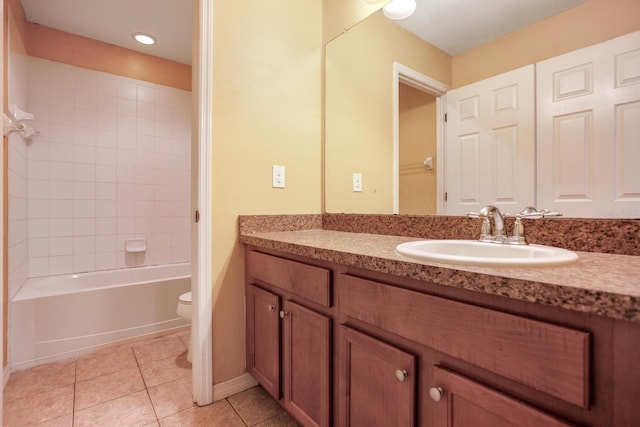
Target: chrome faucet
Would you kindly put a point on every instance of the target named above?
(497, 233)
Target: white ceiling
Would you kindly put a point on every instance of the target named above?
(452, 25)
(458, 25)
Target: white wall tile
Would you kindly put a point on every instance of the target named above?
(84, 245)
(106, 121)
(146, 93)
(127, 124)
(126, 208)
(84, 227)
(127, 158)
(60, 171)
(84, 154)
(61, 152)
(106, 138)
(106, 261)
(145, 143)
(126, 174)
(84, 172)
(61, 264)
(60, 246)
(84, 190)
(106, 243)
(126, 228)
(106, 174)
(126, 141)
(38, 228)
(38, 267)
(85, 135)
(127, 90)
(145, 110)
(106, 156)
(60, 209)
(106, 226)
(84, 209)
(127, 107)
(93, 180)
(60, 133)
(38, 189)
(61, 190)
(38, 247)
(38, 169)
(107, 84)
(84, 263)
(60, 227)
(38, 209)
(106, 191)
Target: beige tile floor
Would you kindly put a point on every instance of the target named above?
(147, 383)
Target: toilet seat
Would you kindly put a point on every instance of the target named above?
(185, 298)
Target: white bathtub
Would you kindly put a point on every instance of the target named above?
(52, 318)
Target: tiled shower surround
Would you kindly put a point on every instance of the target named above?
(112, 162)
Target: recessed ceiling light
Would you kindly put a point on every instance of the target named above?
(144, 38)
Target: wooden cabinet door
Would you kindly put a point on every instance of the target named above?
(377, 382)
(263, 338)
(306, 364)
(466, 403)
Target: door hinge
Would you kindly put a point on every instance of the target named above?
(197, 216)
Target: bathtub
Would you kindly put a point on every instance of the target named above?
(53, 318)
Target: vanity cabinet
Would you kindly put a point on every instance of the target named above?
(405, 352)
(377, 381)
(462, 402)
(288, 344)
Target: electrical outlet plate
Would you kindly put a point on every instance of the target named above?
(357, 182)
(277, 176)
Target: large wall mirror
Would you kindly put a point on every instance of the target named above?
(366, 108)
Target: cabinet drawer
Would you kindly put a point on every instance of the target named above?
(306, 281)
(547, 357)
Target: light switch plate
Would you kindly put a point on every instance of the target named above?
(278, 176)
(357, 182)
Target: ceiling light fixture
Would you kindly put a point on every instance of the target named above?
(399, 9)
(144, 38)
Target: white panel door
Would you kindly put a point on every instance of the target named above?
(490, 144)
(588, 114)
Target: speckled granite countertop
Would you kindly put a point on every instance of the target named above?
(603, 284)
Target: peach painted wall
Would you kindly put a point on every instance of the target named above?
(267, 81)
(589, 23)
(340, 15)
(55, 45)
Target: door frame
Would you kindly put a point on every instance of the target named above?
(417, 80)
(201, 254)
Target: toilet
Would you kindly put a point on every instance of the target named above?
(185, 311)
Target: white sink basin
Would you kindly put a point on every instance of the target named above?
(473, 252)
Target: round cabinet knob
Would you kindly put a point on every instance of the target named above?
(283, 314)
(436, 393)
(401, 375)
(271, 307)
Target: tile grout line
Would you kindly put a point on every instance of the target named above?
(75, 386)
(146, 388)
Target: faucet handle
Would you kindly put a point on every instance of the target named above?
(473, 215)
(538, 214)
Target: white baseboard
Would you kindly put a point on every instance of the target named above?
(233, 386)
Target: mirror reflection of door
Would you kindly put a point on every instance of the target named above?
(417, 128)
